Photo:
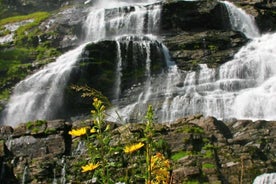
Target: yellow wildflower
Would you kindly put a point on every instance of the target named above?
(90, 167)
(133, 148)
(160, 168)
(93, 130)
(78, 132)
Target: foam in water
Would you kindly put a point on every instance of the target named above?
(40, 96)
(243, 88)
(223, 92)
(265, 179)
(127, 19)
(241, 21)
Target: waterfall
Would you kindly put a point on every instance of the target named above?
(265, 179)
(139, 94)
(63, 171)
(40, 96)
(25, 174)
(241, 21)
(118, 73)
(109, 22)
(242, 88)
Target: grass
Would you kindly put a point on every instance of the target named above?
(208, 166)
(193, 129)
(180, 155)
(4, 94)
(16, 58)
(37, 16)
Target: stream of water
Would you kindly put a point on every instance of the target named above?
(40, 96)
(243, 88)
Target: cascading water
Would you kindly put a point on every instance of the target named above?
(25, 175)
(241, 21)
(243, 88)
(40, 96)
(265, 179)
(223, 92)
(142, 48)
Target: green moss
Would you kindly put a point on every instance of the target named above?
(4, 95)
(193, 129)
(208, 154)
(35, 125)
(38, 17)
(50, 131)
(213, 48)
(180, 155)
(23, 36)
(208, 166)
(191, 182)
(16, 60)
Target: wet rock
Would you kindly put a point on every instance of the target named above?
(180, 174)
(5, 132)
(213, 48)
(193, 16)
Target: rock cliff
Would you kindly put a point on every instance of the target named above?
(200, 149)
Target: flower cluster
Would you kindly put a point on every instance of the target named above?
(160, 167)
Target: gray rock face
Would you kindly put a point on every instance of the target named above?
(64, 30)
(29, 6)
(211, 47)
(201, 149)
(37, 146)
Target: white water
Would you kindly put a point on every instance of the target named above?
(40, 95)
(241, 21)
(266, 179)
(118, 73)
(121, 18)
(63, 172)
(243, 88)
(25, 174)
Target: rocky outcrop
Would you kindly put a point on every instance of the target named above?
(266, 17)
(200, 149)
(193, 16)
(35, 146)
(208, 47)
(29, 6)
(98, 68)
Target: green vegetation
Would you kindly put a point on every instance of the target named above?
(193, 129)
(208, 166)
(192, 182)
(180, 155)
(36, 126)
(213, 48)
(135, 161)
(50, 131)
(16, 59)
(38, 17)
(4, 94)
